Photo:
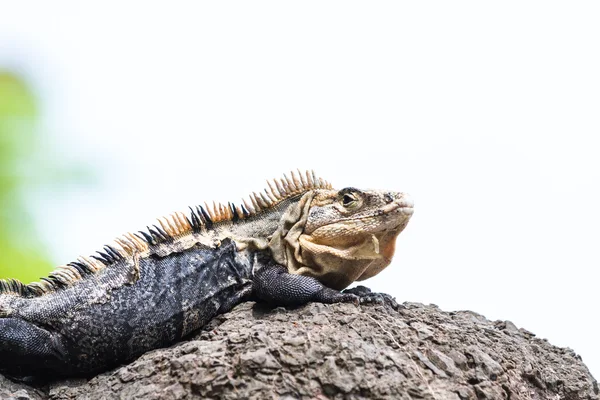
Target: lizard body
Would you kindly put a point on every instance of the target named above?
(299, 241)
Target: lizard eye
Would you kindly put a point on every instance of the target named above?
(349, 200)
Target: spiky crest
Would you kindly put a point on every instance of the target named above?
(169, 229)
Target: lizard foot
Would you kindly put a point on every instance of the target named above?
(366, 296)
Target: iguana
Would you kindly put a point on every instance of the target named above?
(297, 242)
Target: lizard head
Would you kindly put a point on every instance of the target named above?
(347, 235)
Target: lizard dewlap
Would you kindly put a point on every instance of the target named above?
(299, 241)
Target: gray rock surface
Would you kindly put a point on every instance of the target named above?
(341, 351)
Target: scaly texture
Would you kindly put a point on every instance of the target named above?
(300, 241)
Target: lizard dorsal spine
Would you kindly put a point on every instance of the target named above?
(173, 229)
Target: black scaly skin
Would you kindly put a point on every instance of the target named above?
(173, 297)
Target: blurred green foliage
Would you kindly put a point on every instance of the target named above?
(22, 254)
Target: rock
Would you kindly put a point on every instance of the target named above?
(16, 391)
(341, 351)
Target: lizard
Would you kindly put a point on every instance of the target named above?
(298, 241)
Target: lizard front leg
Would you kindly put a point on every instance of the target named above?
(274, 284)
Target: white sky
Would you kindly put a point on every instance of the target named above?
(487, 113)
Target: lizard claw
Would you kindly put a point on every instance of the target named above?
(360, 291)
(366, 296)
(352, 298)
(372, 299)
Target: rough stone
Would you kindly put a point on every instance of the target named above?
(341, 351)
